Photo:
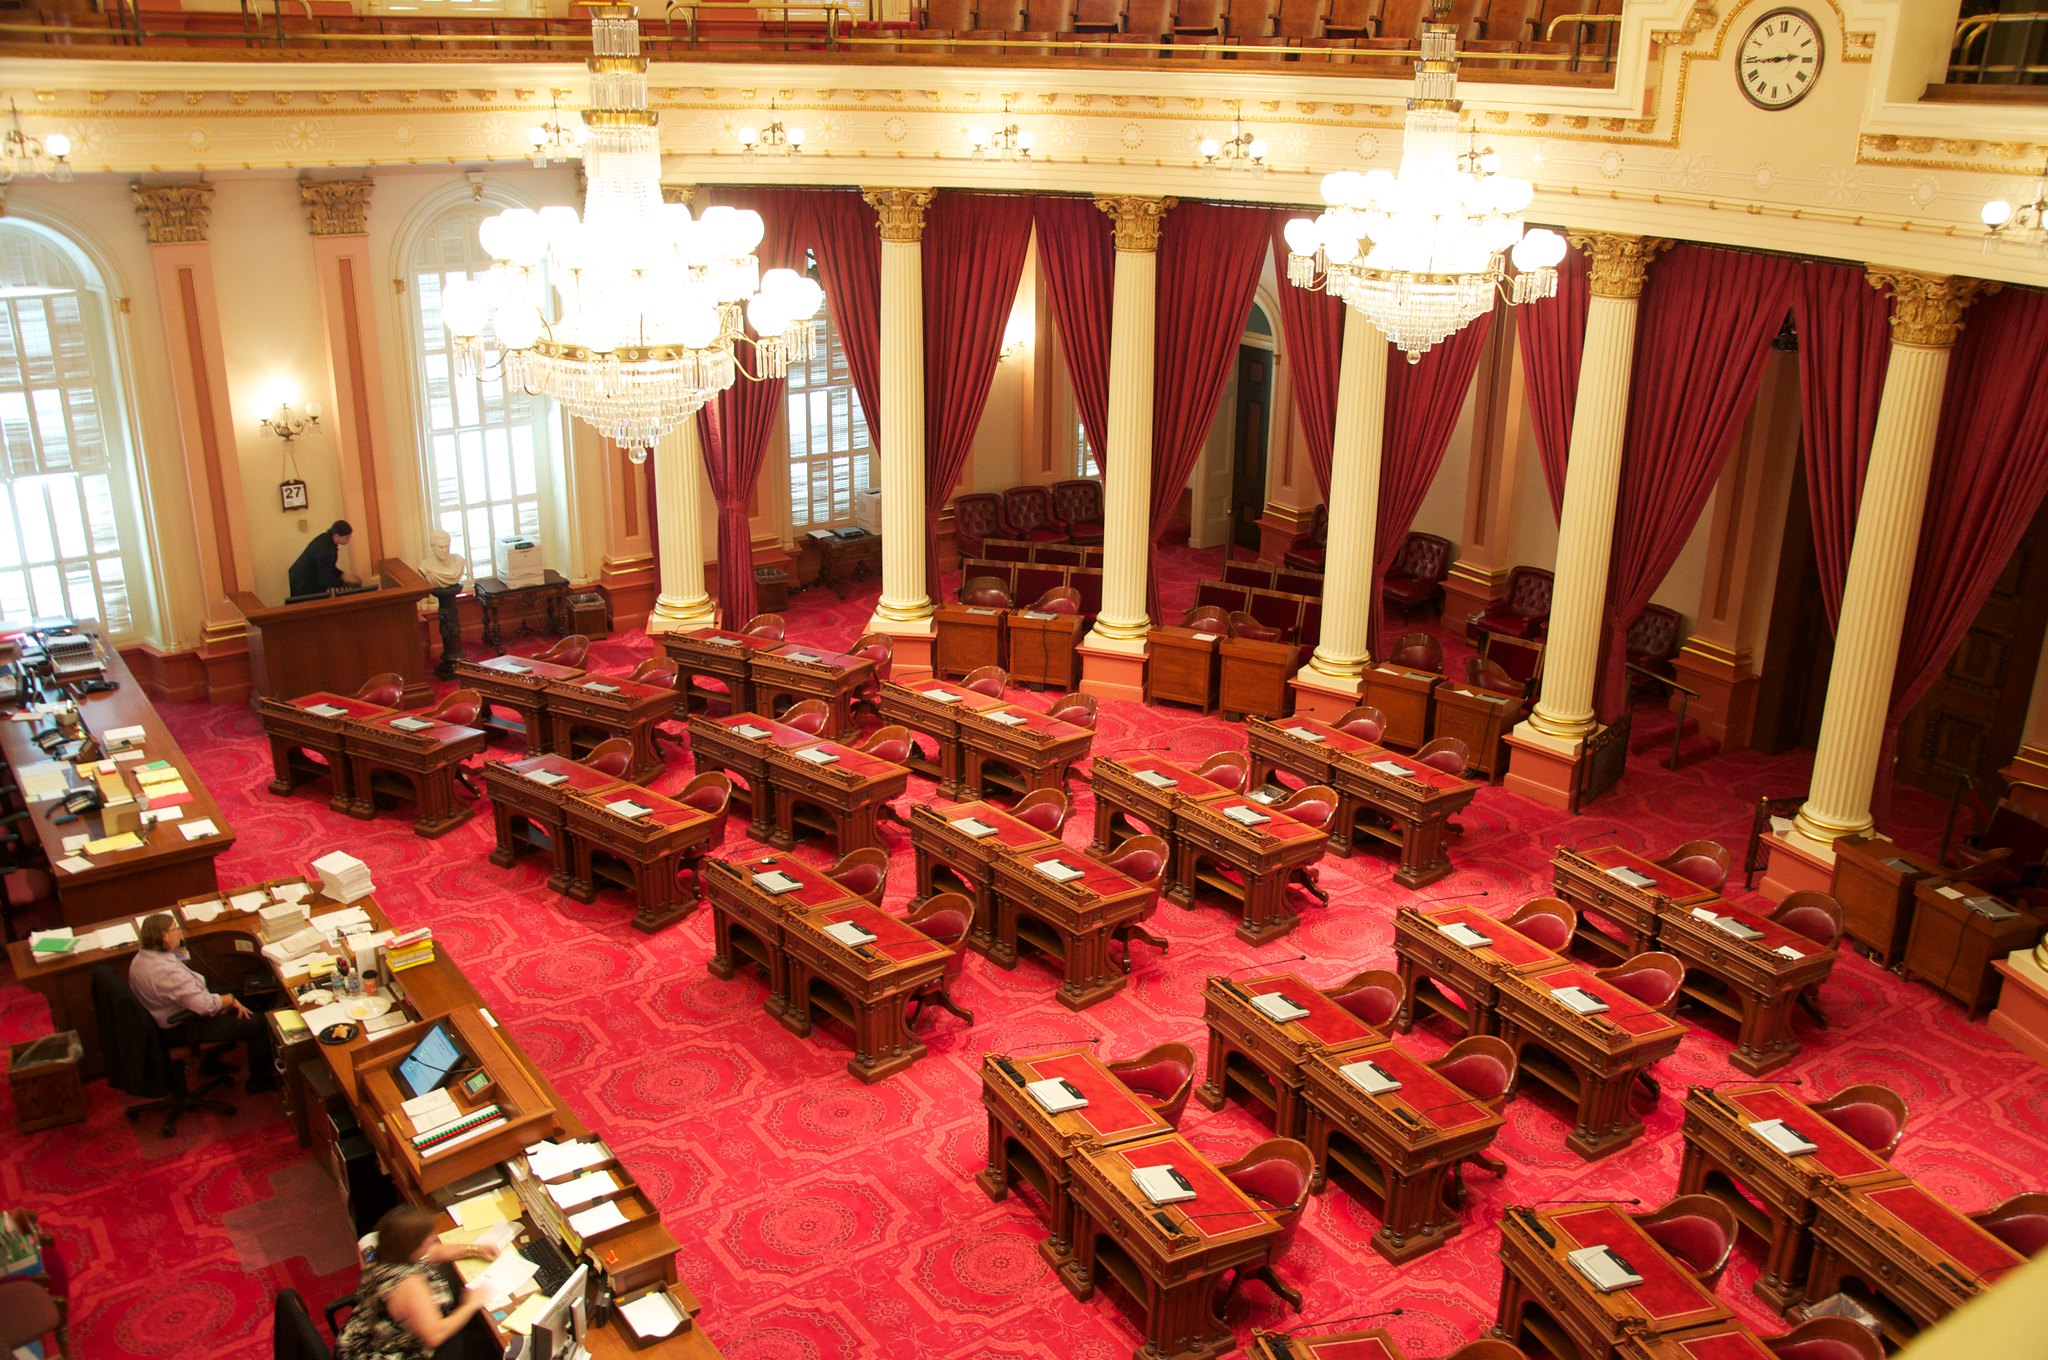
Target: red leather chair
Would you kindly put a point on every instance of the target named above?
(863, 872)
(2020, 1222)
(1549, 921)
(1818, 917)
(1418, 652)
(976, 516)
(1077, 509)
(1243, 625)
(1142, 858)
(1308, 550)
(1523, 611)
(1058, 600)
(1364, 722)
(1704, 862)
(985, 592)
(989, 680)
(891, 743)
(1483, 674)
(384, 690)
(709, 792)
(879, 648)
(1653, 978)
(1373, 996)
(1873, 1115)
(1653, 638)
(1027, 514)
(1162, 1077)
(1487, 1348)
(612, 756)
(1827, 1338)
(1520, 659)
(766, 625)
(1448, 754)
(460, 708)
(1045, 809)
(1483, 1067)
(1207, 618)
(1228, 768)
(807, 715)
(1315, 805)
(1415, 581)
(1697, 1230)
(658, 671)
(1276, 1176)
(1075, 710)
(946, 918)
(570, 651)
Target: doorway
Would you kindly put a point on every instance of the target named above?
(1248, 444)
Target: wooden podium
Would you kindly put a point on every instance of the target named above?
(339, 642)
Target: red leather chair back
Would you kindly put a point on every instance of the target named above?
(1058, 600)
(985, 592)
(1076, 710)
(975, 517)
(2026, 1233)
(1141, 857)
(1816, 915)
(1364, 722)
(1373, 1002)
(1026, 508)
(766, 625)
(1161, 1078)
(658, 671)
(807, 715)
(1529, 591)
(384, 690)
(890, 743)
(1278, 1176)
(1548, 921)
(1313, 805)
(570, 651)
(1228, 768)
(1078, 502)
(708, 792)
(459, 708)
(1419, 652)
(1481, 1066)
(1045, 809)
(1448, 754)
(1651, 978)
(1698, 1243)
(989, 680)
(613, 756)
(1243, 625)
(862, 877)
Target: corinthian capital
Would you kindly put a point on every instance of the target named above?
(1136, 218)
(1616, 262)
(174, 214)
(336, 207)
(899, 212)
(1927, 309)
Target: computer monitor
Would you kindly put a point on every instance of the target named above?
(429, 1063)
(558, 1331)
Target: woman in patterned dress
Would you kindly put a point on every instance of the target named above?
(401, 1310)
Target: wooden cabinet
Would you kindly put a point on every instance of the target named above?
(1874, 882)
(1957, 935)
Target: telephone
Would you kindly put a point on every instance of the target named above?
(77, 803)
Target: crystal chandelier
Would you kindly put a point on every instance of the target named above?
(1242, 151)
(39, 157)
(630, 315)
(1006, 143)
(1423, 253)
(2026, 222)
(773, 140)
(553, 142)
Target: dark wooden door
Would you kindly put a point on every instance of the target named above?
(1800, 646)
(1970, 722)
(1248, 462)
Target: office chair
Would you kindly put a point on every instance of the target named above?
(1313, 805)
(1229, 768)
(612, 756)
(293, 1336)
(988, 680)
(145, 1058)
(1704, 862)
(1827, 1338)
(1654, 979)
(1075, 710)
(767, 626)
(1818, 917)
(1373, 996)
(1162, 1078)
(1364, 722)
(2020, 1221)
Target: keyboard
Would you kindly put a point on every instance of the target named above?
(555, 1266)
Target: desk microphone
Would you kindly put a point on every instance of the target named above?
(1445, 897)
(1329, 1323)
(1737, 1081)
(1257, 963)
(1586, 840)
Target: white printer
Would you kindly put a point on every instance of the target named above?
(515, 560)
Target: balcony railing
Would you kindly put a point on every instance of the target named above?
(2008, 49)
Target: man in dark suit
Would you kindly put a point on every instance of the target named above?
(319, 566)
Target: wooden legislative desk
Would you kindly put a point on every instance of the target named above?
(967, 637)
(1591, 880)
(1263, 1057)
(520, 684)
(1874, 882)
(386, 755)
(747, 919)
(1406, 698)
(1246, 868)
(530, 807)
(1172, 1272)
(1377, 1344)
(1952, 946)
(610, 706)
(1143, 795)
(728, 742)
(932, 706)
(1482, 719)
(714, 654)
(1922, 1258)
(644, 853)
(121, 882)
(1403, 1146)
(1753, 982)
(1026, 1139)
(1018, 750)
(843, 790)
(1547, 1305)
(792, 673)
(295, 732)
(1042, 648)
(1427, 955)
(1590, 1059)
(1180, 666)
(865, 987)
(340, 641)
(1728, 1340)
(1724, 1159)
(952, 859)
(1071, 921)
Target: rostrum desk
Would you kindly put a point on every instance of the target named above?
(865, 987)
(1404, 1146)
(529, 807)
(1018, 1124)
(1071, 921)
(1263, 1057)
(1043, 648)
(950, 859)
(715, 654)
(419, 765)
(848, 790)
(1874, 882)
(1923, 1257)
(966, 638)
(1544, 1292)
(1180, 666)
(1482, 719)
(611, 706)
(1428, 956)
(1406, 698)
(932, 707)
(792, 673)
(1591, 1059)
(1246, 867)
(293, 730)
(520, 684)
(337, 642)
(747, 920)
(718, 743)
(1018, 750)
(1749, 981)
(1587, 879)
(644, 854)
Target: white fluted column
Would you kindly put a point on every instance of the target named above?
(1927, 316)
(1585, 527)
(683, 603)
(1356, 445)
(1122, 624)
(904, 607)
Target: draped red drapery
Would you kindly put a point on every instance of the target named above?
(1312, 324)
(1844, 349)
(1708, 319)
(839, 228)
(1209, 257)
(973, 254)
(1552, 336)
(1077, 259)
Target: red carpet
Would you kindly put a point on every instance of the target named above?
(824, 1219)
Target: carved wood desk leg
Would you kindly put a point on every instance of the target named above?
(994, 1176)
(1214, 1089)
(796, 1011)
(281, 782)
(362, 802)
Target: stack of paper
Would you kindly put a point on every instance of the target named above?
(113, 937)
(121, 738)
(553, 1161)
(652, 1316)
(275, 920)
(343, 877)
(593, 1185)
(45, 945)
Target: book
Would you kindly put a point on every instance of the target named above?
(547, 778)
(326, 710)
(1370, 1077)
(1630, 877)
(1007, 719)
(817, 755)
(411, 724)
(1162, 1184)
(751, 732)
(1276, 1006)
(942, 696)
(1603, 1268)
(1245, 816)
(1156, 779)
(1057, 871)
(1056, 1094)
(1783, 1137)
(1739, 929)
(849, 934)
(626, 807)
(776, 882)
(1393, 767)
(1303, 734)
(973, 826)
(1460, 933)
(1579, 999)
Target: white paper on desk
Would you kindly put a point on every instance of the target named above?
(202, 911)
(973, 826)
(1303, 734)
(849, 934)
(626, 807)
(651, 1316)
(583, 1189)
(347, 921)
(113, 937)
(168, 814)
(942, 696)
(1156, 779)
(74, 864)
(325, 710)
(293, 892)
(1951, 893)
(552, 1161)
(1465, 935)
(547, 778)
(497, 1282)
(776, 882)
(203, 827)
(1208, 637)
(591, 1222)
(501, 1235)
(1057, 871)
(481, 1211)
(751, 732)
(1246, 816)
(431, 1110)
(248, 901)
(74, 844)
(320, 1017)
(131, 755)
(817, 756)
(1393, 767)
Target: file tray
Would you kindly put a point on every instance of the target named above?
(1162, 1185)
(1579, 999)
(529, 1115)
(1277, 1007)
(1606, 1271)
(1056, 1094)
(1783, 1137)
(1370, 1077)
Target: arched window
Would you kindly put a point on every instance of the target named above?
(69, 535)
(830, 458)
(491, 457)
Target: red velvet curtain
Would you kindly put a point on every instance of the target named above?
(1209, 258)
(1423, 402)
(1312, 324)
(1552, 335)
(1990, 472)
(1707, 323)
(973, 251)
(840, 230)
(1077, 256)
(1845, 345)
(735, 425)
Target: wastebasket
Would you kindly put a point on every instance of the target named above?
(43, 1075)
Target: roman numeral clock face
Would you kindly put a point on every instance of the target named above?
(1780, 59)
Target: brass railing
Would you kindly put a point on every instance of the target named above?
(1978, 28)
(1685, 698)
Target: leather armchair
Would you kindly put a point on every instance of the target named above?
(2020, 1222)
(1075, 710)
(1308, 550)
(863, 872)
(1373, 996)
(1415, 581)
(1276, 1174)
(1704, 862)
(946, 918)
(384, 690)
(1027, 514)
(1142, 858)
(1873, 1115)
(1697, 1230)
(807, 715)
(570, 651)
(658, 671)
(612, 756)
(985, 592)
(1315, 805)
(976, 516)
(989, 680)
(1228, 768)
(1653, 639)
(459, 708)
(1077, 509)
(1827, 1338)
(1364, 722)
(766, 625)
(1058, 600)
(1161, 1077)
(1817, 916)
(1449, 754)
(1549, 921)
(1483, 1066)
(1045, 809)
(1418, 652)
(1522, 611)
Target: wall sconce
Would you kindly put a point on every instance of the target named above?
(1017, 335)
(288, 425)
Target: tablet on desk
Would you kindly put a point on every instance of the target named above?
(426, 1068)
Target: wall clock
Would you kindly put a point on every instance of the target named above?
(1779, 59)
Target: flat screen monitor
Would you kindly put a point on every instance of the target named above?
(428, 1065)
(558, 1331)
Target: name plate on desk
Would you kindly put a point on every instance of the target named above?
(942, 696)
(1460, 933)
(1783, 1137)
(1245, 816)
(751, 732)
(626, 807)
(1579, 999)
(600, 687)
(1990, 908)
(1394, 767)
(1058, 872)
(547, 778)
(326, 711)
(848, 934)
(1606, 1271)
(816, 756)
(1156, 779)
(1277, 1007)
(1006, 719)
(776, 882)
(973, 826)
(411, 724)
(1162, 1184)
(1630, 877)
(1038, 616)
(1370, 1077)
(1056, 1094)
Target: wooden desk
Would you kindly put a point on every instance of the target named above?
(1246, 868)
(1917, 1254)
(1874, 882)
(1427, 955)
(1180, 666)
(1070, 921)
(293, 731)
(932, 707)
(792, 673)
(1042, 648)
(846, 792)
(717, 654)
(529, 807)
(643, 854)
(1263, 1057)
(1544, 1299)
(854, 557)
(1377, 1344)
(1404, 1146)
(1018, 750)
(1748, 981)
(1407, 698)
(520, 684)
(968, 637)
(1716, 1341)
(1587, 879)
(1409, 810)
(1307, 748)
(1018, 1124)
(1252, 677)
(385, 758)
(1724, 1159)
(748, 921)
(1591, 1059)
(865, 989)
(1171, 1273)
(719, 744)
(1140, 796)
(338, 642)
(1952, 946)
(609, 706)
(1482, 719)
(951, 860)
(551, 596)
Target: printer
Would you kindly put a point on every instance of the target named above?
(515, 560)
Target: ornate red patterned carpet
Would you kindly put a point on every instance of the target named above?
(820, 1218)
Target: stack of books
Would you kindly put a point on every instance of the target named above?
(409, 950)
(343, 877)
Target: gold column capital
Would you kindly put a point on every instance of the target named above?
(173, 214)
(1136, 218)
(685, 194)
(899, 212)
(337, 207)
(1927, 309)
(1616, 262)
